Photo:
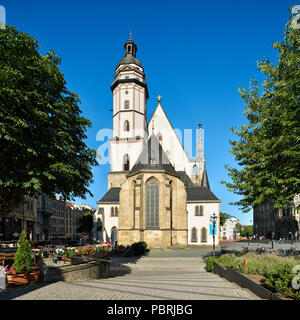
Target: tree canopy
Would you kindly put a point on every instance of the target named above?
(86, 222)
(268, 149)
(42, 131)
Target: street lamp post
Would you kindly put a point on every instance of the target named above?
(213, 220)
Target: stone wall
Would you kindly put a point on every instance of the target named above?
(97, 269)
(115, 179)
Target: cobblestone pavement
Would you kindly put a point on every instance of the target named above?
(147, 278)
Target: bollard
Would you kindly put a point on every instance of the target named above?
(245, 263)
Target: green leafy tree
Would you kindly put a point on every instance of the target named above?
(237, 230)
(268, 149)
(86, 222)
(23, 261)
(222, 218)
(247, 231)
(42, 131)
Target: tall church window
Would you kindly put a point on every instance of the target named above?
(116, 212)
(112, 212)
(126, 125)
(203, 235)
(126, 104)
(152, 203)
(126, 163)
(194, 235)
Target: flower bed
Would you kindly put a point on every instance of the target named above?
(85, 253)
(275, 272)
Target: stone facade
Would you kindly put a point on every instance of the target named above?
(132, 219)
(115, 179)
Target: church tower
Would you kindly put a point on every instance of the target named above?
(130, 94)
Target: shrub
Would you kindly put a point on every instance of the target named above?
(136, 249)
(210, 263)
(280, 279)
(23, 261)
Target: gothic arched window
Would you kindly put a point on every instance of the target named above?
(194, 235)
(126, 163)
(126, 125)
(116, 212)
(195, 170)
(196, 211)
(203, 235)
(126, 104)
(152, 203)
(112, 212)
(114, 235)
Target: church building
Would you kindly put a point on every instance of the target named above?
(156, 193)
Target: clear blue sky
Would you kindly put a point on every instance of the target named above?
(196, 54)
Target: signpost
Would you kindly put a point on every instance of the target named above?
(213, 220)
(2, 278)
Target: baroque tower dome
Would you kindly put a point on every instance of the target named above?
(130, 54)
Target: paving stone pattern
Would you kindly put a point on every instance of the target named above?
(156, 277)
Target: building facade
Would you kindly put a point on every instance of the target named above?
(21, 217)
(229, 229)
(156, 193)
(65, 219)
(271, 223)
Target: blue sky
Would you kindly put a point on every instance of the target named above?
(196, 54)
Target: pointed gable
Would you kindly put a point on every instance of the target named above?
(152, 158)
(159, 124)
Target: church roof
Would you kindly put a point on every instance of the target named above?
(201, 194)
(184, 178)
(111, 196)
(153, 158)
(129, 59)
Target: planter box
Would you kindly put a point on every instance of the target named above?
(21, 279)
(83, 271)
(244, 282)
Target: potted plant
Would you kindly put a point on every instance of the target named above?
(23, 271)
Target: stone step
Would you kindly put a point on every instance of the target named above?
(160, 264)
